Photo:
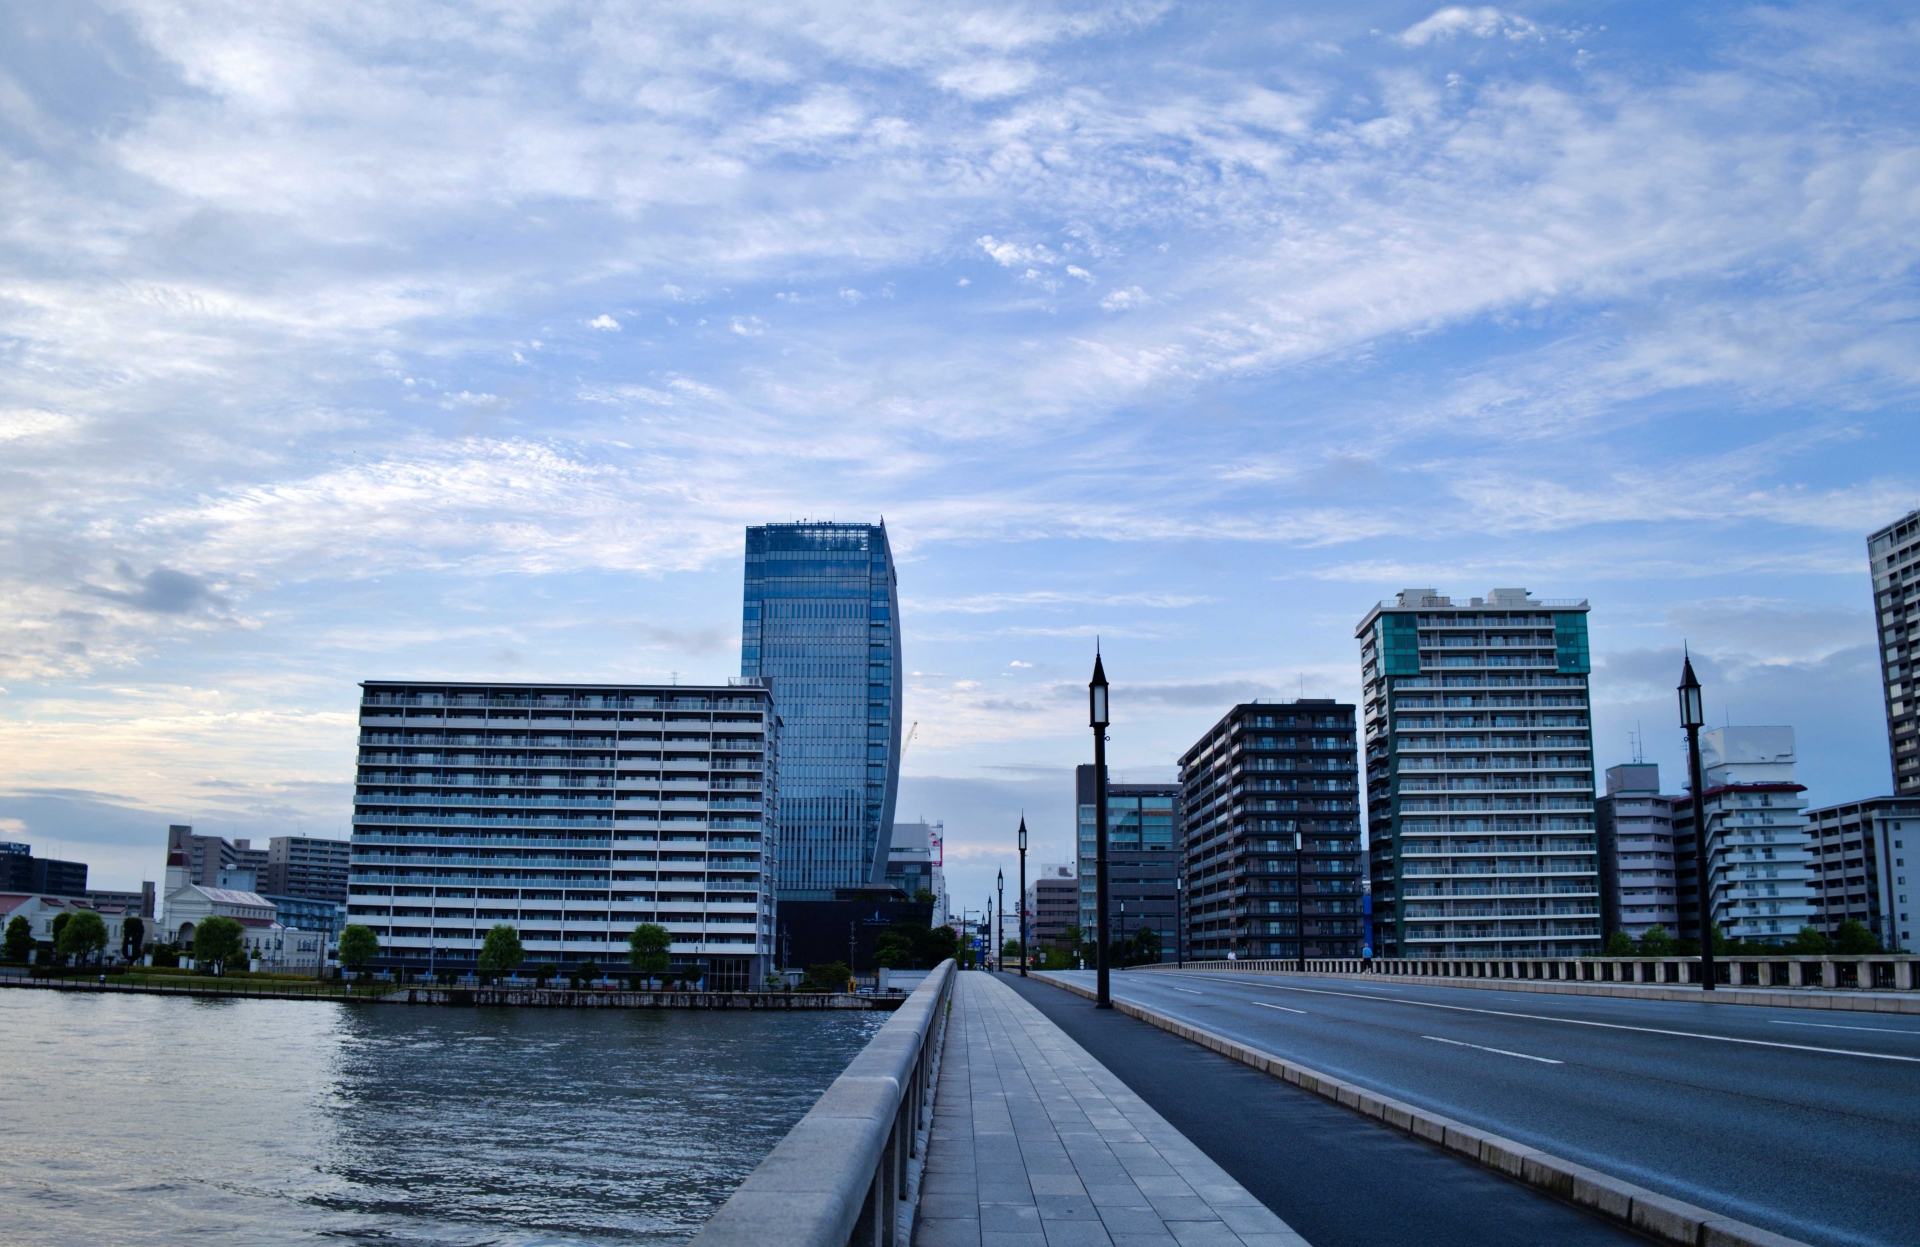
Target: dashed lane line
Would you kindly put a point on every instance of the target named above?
(1261, 1004)
(1461, 1043)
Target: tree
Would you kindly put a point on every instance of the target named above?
(1655, 942)
(358, 945)
(501, 950)
(911, 946)
(60, 922)
(924, 897)
(589, 970)
(1853, 938)
(1619, 944)
(85, 936)
(218, 940)
(648, 949)
(1810, 941)
(19, 941)
(133, 937)
(829, 976)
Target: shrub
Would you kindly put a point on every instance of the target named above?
(1853, 938)
(830, 976)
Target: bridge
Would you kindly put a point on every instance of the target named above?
(1251, 1106)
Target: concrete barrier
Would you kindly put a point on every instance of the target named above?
(843, 1174)
(1658, 1216)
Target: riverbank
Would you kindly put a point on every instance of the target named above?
(466, 997)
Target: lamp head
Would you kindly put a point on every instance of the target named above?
(1023, 833)
(1000, 879)
(1691, 714)
(1097, 694)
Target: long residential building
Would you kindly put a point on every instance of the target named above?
(1893, 555)
(572, 813)
(1271, 809)
(821, 620)
(1479, 763)
(1859, 865)
(1759, 854)
(306, 867)
(1143, 859)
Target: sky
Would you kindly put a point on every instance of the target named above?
(345, 340)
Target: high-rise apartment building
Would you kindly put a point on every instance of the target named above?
(821, 624)
(1893, 554)
(205, 856)
(306, 867)
(1759, 858)
(1634, 823)
(1860, 867)
(1479, 756)
(572, 813)
(1143, 859)
(1270, 804)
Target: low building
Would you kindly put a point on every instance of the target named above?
(1638, 889)
(265, 939)
(304, 914)
(1053, 907)
(1860, 867)
(1271, 803)
(26, 873)
(910, 861)
(40, 910)
(1759, 859)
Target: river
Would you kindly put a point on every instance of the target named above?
(143, 1120)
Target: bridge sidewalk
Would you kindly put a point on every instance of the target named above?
(1036, 1144)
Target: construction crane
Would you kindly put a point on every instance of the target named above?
(909, 739)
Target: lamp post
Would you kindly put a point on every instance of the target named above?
(1299, 906)
(1000, 936)
(986, 936)
(1023, 896)
(1691, 717)
(1123, 928)
(1179, 923)
(1097, 716)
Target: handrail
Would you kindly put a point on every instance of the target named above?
(840, 1174)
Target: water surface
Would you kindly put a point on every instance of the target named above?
(153, 1120)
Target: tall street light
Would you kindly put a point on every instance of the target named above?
(1000, 936)
(1179, 922)
(1023, 896)
(1691, 718)
(1097, 716)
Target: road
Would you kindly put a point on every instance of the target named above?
(1804, 1122)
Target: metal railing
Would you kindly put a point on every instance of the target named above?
(841, 1174)
(1866, 972)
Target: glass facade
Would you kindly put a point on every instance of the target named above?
(820, 622)
(1142, 862)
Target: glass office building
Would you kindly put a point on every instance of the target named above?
(1143, 858)
(821, 624)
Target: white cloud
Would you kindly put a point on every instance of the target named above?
(989, 79)
(1121, 300)
(604, 321)
(1482, 21)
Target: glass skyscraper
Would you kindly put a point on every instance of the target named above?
(821, 622)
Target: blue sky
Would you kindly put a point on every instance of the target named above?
(350, 340)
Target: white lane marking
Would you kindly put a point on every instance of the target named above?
(1260, 1005)
(1190, 993)
(1835, 1026)
(1461, 1043)
(1612, 1026)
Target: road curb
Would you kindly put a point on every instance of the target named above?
(1656, 1215)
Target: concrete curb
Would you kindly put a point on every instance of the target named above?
(1797, 998)
(1659, 1216)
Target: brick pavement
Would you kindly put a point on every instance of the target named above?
(1036, 1144)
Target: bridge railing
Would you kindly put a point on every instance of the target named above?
(839, 1176)
(1867, 972)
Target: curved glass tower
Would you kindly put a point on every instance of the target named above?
(821, 621)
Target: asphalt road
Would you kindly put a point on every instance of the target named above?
(1801, 1121)
(1339, 1179)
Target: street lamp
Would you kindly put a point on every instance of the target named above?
(1023, 896)
(986, 936)
(1691, 717)
(999, 938)
(1097, 716)
(1179, 923)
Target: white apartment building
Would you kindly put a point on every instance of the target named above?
(1638, 888)
(1759, 858)
(1893, 555)
(572, 813)
(1479, 773)
(1860, 866)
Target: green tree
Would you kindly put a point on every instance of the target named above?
(911, 946)
(358, 945)
(589, 970)
(1853, 939)
(924, 897)
(218, 940)
(1655, 942)
(60, 922)
(1810, 941)
(19, 941)
(829, 976)
(133, 937)
(1619, 944)
(85, 936)
(501, 950)
(649, 949)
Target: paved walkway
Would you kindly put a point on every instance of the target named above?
(1035, 1144)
